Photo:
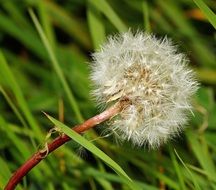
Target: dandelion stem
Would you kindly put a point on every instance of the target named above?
(59, 141)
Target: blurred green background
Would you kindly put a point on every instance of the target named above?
(56, 81)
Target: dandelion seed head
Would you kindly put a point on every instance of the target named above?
(153, 76)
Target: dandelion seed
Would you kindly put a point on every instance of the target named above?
(154, 77)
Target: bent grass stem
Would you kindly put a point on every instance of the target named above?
(57, 142)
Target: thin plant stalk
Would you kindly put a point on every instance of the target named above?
(57, 142)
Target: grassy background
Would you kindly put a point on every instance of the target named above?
(33, 79)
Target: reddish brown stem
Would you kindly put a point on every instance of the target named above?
(56, 143)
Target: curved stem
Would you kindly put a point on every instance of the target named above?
(57, 142)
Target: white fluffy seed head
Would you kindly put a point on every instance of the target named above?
(155, 79)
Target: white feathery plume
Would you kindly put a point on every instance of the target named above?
(153, 76)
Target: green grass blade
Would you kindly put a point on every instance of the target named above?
(196, 185)
(161, 21)
(146, 16)
(5, 174)
(17, 113)
(26, 37)
(14, 139)
(202, 153)
(178, 170)
(114, 178)
(210, 15)
(202, 172)
(92, 148)
(204, 55)
(46, 23)
(103, 182)
(107, 10)
(18, 145)
(8, 76)
(96, 26)
(166, 179)
(13, 107)
(69, 23)
(57, 67)
(16, 14)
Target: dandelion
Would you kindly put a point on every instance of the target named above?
(154, 81)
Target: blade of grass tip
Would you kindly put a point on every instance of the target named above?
(96, 26)
(12, 83)
(196, 185)
(107, 10)
(146, 16)
(57, 67)
(210, 15)
(17, 113)
(177, 169)
(96, 151)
